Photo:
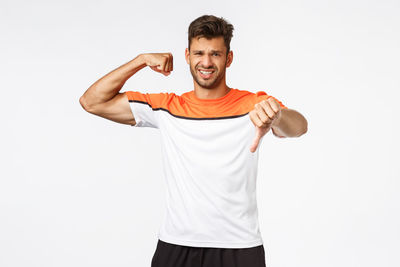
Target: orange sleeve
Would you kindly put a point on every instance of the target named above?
(145, 106)
(261, 95)
(153, 99)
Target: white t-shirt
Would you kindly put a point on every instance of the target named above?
(208, 168)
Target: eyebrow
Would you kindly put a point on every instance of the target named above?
(212, 51)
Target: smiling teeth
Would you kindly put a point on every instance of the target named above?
(206, 72)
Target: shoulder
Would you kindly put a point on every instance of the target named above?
(250, 96)
(258, 96)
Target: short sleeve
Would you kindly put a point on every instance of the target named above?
(144, 108)
(261, 95)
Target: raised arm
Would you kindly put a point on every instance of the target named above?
(103, 97)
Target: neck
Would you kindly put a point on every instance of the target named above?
(211, 93)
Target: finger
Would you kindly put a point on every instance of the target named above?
(166, 62)
(256, 119)
(172, 62)
(160, 67)
(168, 66)
(156, 68)
(274, 104)
(263, 116)
(252, 117)
(254, 145)
(268, 109)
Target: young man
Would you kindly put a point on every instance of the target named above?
(210, 137)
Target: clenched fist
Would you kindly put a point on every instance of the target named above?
(160, 62)
(264, 114)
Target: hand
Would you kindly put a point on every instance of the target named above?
(263, 116)
(160, 62)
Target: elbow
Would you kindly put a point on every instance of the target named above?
(304, 128)
(83, 102)
(304, 131)
(85, 105)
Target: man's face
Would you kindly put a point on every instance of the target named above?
(208, 61)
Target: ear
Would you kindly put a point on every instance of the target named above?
(229, 59)
(187, 53)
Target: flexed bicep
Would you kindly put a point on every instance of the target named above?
(116, 109)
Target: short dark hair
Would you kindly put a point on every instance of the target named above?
(210, 26)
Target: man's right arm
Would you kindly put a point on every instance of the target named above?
(103, 98)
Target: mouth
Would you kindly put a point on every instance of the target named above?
(206, 74)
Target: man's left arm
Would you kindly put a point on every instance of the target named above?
(290, 123)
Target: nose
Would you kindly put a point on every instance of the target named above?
(206, 61)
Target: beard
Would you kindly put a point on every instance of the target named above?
(209, 83)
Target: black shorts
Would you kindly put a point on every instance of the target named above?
(172, 255)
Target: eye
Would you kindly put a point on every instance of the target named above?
(215, 54)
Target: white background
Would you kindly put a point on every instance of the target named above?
(79, 190)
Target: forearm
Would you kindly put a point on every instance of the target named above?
(290, 124)
(109, 85)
